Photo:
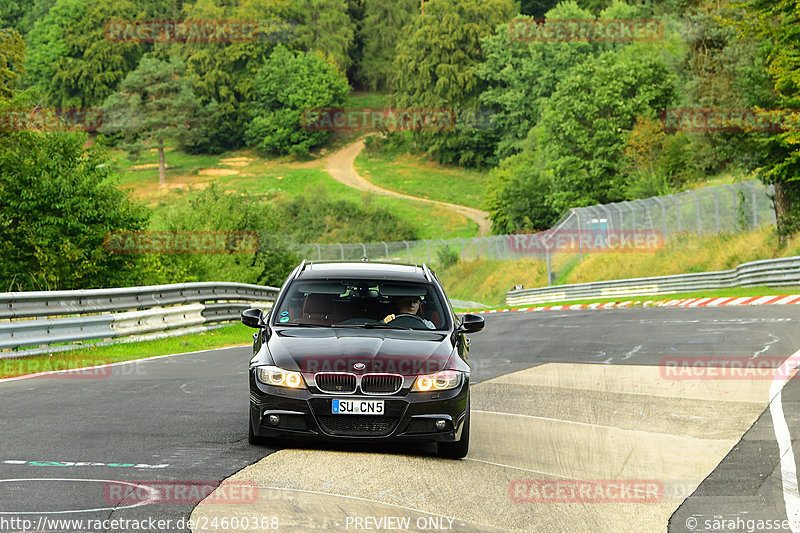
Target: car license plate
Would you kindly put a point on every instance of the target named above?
(357, 407)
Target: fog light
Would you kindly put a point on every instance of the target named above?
(441, 424)
(274, 420)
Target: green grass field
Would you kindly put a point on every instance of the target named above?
(416, 176)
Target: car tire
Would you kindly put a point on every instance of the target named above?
(459, 448)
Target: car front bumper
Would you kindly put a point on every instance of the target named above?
(408, 416)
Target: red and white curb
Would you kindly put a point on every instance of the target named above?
(687, 302)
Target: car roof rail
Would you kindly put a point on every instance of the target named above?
(427, 272)
(299, 269)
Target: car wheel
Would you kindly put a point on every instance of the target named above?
(458, 449)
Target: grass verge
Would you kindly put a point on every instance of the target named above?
(233, 335)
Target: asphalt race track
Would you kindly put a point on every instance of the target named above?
(581, 422)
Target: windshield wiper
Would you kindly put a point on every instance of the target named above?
(302, 324)
(381, 326)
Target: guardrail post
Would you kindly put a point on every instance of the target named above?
(580, 238)
(386, 247)
(657, 200)
(342, 250)
(408, 250)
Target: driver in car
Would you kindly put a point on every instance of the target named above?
(409, 305)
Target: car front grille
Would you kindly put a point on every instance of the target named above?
(335, 382)
(381, 383)
(358, 425)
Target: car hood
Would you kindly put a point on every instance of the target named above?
(339, 349)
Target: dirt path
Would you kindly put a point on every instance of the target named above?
(340, 166)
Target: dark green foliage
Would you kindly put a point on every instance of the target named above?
(286, 88)
(586, 119)
(313, 217)
(383, 26)
(518, 193)
(70, 62)
(58, 201)
(436, 65)
(154, 104)
(214, 210)
(12, 55)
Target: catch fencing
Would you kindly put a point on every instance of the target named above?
(734, 207)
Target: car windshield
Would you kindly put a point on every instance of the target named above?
(362, 303)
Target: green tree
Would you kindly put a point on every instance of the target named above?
(383, 26)
(214, 210)
(222, 73)
(12, 56)
(286, 88)
(154, 104)
(518, 191)
(71, 62)
(58, 202)
(320, 26)
(587, 117)
(436, 65)
(778, 23)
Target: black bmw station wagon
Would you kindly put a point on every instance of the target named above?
(361, 351)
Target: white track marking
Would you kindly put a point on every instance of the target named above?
(152, 496)
(791, 496)
(132, 361)
(587, 424)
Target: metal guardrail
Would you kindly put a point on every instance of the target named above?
(769, 272)
(47, 318)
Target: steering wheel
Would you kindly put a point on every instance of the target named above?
(408, 315)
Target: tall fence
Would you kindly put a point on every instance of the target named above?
(736, 207)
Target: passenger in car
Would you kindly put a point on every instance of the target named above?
(409, 305)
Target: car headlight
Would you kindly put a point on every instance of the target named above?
(446, 379)
(278, 377)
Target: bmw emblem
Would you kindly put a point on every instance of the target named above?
(359, 366)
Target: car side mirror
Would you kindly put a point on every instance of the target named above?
(471, 324)
(253, 318)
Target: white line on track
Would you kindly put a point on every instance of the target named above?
(546, 419)
(132, 361)
(151, 498)
(791, 496)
